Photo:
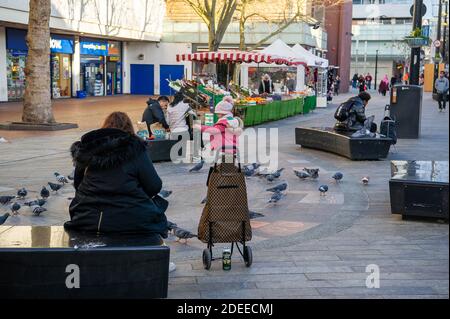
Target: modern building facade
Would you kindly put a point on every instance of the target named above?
(378, 30)
(112, 47)
(95, 46)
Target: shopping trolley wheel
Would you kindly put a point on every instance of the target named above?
(207, 258)
(248, 256)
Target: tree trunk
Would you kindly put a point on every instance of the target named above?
(37, 107)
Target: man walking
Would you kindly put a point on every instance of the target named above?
(441, 86)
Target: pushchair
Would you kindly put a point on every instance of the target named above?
(225, 217)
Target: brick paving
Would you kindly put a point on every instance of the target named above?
(305, 247)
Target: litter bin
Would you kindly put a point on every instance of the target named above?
(406, 110)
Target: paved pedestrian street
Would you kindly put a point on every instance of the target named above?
(305, 246)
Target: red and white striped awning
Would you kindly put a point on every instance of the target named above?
(236, 57)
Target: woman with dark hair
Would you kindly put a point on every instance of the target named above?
(116, 184)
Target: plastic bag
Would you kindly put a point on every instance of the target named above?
(158, 130)
(142, 130)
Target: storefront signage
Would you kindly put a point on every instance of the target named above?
(113, 48)
(93, 48)
(61, 46)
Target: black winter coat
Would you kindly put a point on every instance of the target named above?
(154, 114)
(356, 118)
(116, 185)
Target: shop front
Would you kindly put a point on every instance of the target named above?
(114, 68)
(101, 67)
(61, 49)
(92, 68)
(16, 56)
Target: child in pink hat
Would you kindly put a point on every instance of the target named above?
(225, 132)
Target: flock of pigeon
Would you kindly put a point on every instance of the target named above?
(254, 169)
(37, 205)
(278, 191)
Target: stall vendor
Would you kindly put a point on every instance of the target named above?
(266, 85)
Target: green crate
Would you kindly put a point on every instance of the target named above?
(250, 115)
(272, 111)
(277, 106)
(313, 102)
(299, 105)
(283, 110)
(258, 114)
(307, 104)
(265, 109)
(291, 107)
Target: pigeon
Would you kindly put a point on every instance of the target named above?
(270, 177)
(183, 234)
(302, 174)
(60, 178)
(253, 215)
(15, 208)
(277, 173)
(44, 192)
(275, 197)
(71, 176)
(37, 210)
(323, 189)
(337, 176)
(164, 193)
(314, 172)
(171, 226)
(365, 180)
(279, 188)
(22, 193)
(4, 218)
(197, 167)
(55, 187)
(6, 199)
(204, 200)
(256, 165)
(249, 170)
(38, 202)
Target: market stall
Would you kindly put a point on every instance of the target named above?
(251, 72)
(317, 70)
(254, 109)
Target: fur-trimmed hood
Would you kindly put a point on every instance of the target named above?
(106, 148)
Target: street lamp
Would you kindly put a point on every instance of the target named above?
(414, 68)
(376, 70)
(438, 50)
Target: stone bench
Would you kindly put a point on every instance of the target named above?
(47, 262)
(419, 188)
(327, 139)
(159, 150)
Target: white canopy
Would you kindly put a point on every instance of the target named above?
(281, 49)
(311, 59)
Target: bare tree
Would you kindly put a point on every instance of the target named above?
(37, 106)
(217, 15)
(292, 11)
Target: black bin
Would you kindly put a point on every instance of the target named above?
(406, 109)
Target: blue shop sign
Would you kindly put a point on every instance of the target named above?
(61, 46)
(93, 48)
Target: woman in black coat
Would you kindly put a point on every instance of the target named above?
(116, 184)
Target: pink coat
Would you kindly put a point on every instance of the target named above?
(223, 136)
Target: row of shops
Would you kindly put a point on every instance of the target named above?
(100, 65)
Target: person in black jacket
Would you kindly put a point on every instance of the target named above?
(116, 184)
(266, 85)
(356, 114)
(154, 112)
